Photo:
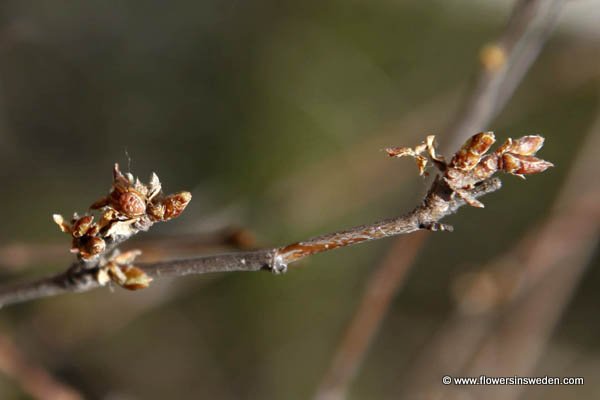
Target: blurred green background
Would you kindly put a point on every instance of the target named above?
(274, 115)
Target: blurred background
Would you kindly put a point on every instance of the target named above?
(274, 115)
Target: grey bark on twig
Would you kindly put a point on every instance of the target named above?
(438, 204)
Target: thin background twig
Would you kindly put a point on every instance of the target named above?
(19, 255)
(32, 378)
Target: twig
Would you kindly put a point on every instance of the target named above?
(504, 64)
(466, 177)
(438, 203)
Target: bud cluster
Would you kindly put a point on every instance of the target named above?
(471, 165)
(130, 206)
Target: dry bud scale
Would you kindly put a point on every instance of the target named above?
(130, 206)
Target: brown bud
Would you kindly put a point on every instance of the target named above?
(131, 204)
(525, 146)
(175, 204)
(96, 245)
(82, 225)
(471, 152)
(93, 230)
(90, 247)
(518, 164)
(156, 211)
(486, 167)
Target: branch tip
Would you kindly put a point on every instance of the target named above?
(471, 165)
(130, 207)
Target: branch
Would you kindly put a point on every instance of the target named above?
(461, 181)
(436, 205)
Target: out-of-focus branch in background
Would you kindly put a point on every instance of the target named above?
(503, 65)
(32, 378)
(374, 304)
(19, 255)
(507, 310)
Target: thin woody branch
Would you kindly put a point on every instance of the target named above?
(276, 259)
(467, 177)
(438, 204)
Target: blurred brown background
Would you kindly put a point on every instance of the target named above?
(274, 115)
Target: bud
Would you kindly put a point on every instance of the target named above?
(525, 146)
(130, 203)
(175, 204)
(156, 211)
(91, 247)
(487, 167)
(471, 152)
(518, 164)
(81, 226)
